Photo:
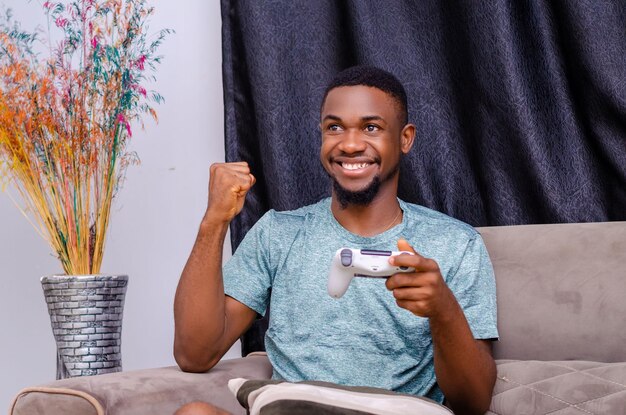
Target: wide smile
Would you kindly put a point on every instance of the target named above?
(354, 169)
(355, 166)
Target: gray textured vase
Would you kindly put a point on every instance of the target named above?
(86, 315)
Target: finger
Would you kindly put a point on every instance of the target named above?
(246, 179)
(416, 307)
(411, 294)
(239, 176)
(242, 184)
(418, 262)
(242, 167)
(403, 245)
(235, 181)
(411, 279)
(238, 163)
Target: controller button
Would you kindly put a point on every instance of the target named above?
(404, 268)
(346, 257)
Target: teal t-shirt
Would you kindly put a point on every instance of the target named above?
(363, 338)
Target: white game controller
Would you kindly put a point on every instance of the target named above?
(369, 263)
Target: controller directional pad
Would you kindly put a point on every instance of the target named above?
(346, 257)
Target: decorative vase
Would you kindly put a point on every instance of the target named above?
(86, 315)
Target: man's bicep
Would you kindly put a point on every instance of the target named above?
(239, 317)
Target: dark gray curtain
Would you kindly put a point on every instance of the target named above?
(520, 105)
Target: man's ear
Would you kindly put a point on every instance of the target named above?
(407, 136)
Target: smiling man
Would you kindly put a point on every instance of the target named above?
(425, 333)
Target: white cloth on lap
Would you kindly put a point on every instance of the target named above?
(277, 397)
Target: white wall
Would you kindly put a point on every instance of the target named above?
(155, 217)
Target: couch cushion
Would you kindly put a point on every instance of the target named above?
(559, 388)
(560, 291)
(151, 391)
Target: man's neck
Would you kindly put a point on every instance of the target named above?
(377, 217)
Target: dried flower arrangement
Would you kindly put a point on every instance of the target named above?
(65, 121)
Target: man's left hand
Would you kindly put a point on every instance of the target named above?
(424, 291)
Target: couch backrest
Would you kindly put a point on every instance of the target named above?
(561, 291)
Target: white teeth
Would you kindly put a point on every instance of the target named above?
(354, 166)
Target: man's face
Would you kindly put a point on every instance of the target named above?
(362, 142)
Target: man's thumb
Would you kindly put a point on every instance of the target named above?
(403, 245)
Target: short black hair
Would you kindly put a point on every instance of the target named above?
(375, 78)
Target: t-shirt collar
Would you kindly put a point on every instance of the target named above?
(391, 234)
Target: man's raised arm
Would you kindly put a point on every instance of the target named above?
(207, 322)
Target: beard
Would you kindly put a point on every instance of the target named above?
(362, 197)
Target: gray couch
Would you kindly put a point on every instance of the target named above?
(562, 321)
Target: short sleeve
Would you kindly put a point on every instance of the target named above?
(247, 275)
(474, 286)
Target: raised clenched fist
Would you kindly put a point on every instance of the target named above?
(228, 185)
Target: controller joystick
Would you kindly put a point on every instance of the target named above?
(367, 263)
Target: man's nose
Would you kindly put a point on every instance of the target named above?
(352, 142)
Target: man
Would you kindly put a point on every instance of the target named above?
(426, 332)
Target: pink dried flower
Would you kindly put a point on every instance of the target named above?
(48, 5)
(60, 22)
(141, 62)
(122, 120)
(140, 89)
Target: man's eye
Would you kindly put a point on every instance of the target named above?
(370, 128)
(334, 127)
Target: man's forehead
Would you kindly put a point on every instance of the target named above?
(359, 100)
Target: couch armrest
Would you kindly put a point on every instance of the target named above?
(150, 391)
